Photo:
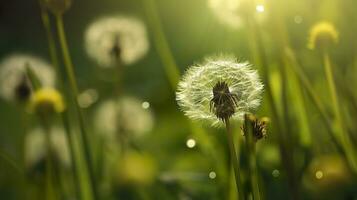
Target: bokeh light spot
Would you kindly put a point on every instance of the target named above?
(319, 174)
(145, 105)
(260, 8)
(275, 173)
(190, 143)
(212, 175)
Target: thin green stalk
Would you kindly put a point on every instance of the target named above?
(11, 161)
(234, 159)
(64, 116)
(260, 59)
(340, 128)
(251, 150)
(161, 43)
(312, 94)
(74, 90)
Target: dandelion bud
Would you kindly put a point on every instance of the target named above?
(57, 6)
(322, 35)
(46, 101)
(259, 126)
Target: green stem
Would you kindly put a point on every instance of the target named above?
(54, 60)
(234, 159)
(161, 43)
(250, 146)
(49, 160)
(74, 90)
(340, 129)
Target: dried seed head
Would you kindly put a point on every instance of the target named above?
(218, 88)
(322, 35)
(259, 126)
(223, 102)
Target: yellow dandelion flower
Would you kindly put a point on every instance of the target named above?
(322, 34)
(47, 100)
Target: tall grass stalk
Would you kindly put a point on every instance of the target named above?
(278, 119)
(74, 92)
(64, 116)
(316, 100)
(161, 44)
(340, 129)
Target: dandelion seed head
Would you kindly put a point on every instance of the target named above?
(194, 93)
(123, 115)
(13, 74)
(227, 12)
(111, 38)
(322, 35)
(36, 147)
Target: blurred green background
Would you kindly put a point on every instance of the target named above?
(193, 32)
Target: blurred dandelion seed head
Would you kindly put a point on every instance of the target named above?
(123, 115)
(36, 147)
(13, 74)
(322, 35)
(232, 12)
(47, 100)
(194, 93)
(112, 38)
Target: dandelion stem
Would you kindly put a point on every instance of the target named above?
(49, 160)
(250, 146)
(65, 120)
(340, 129)
(234, 159)
(74, 90)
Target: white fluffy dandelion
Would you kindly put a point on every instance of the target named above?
(117, 37)
(13, 74)
(231, 12)
(195, 93)
(123, 115)
(36, 147)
